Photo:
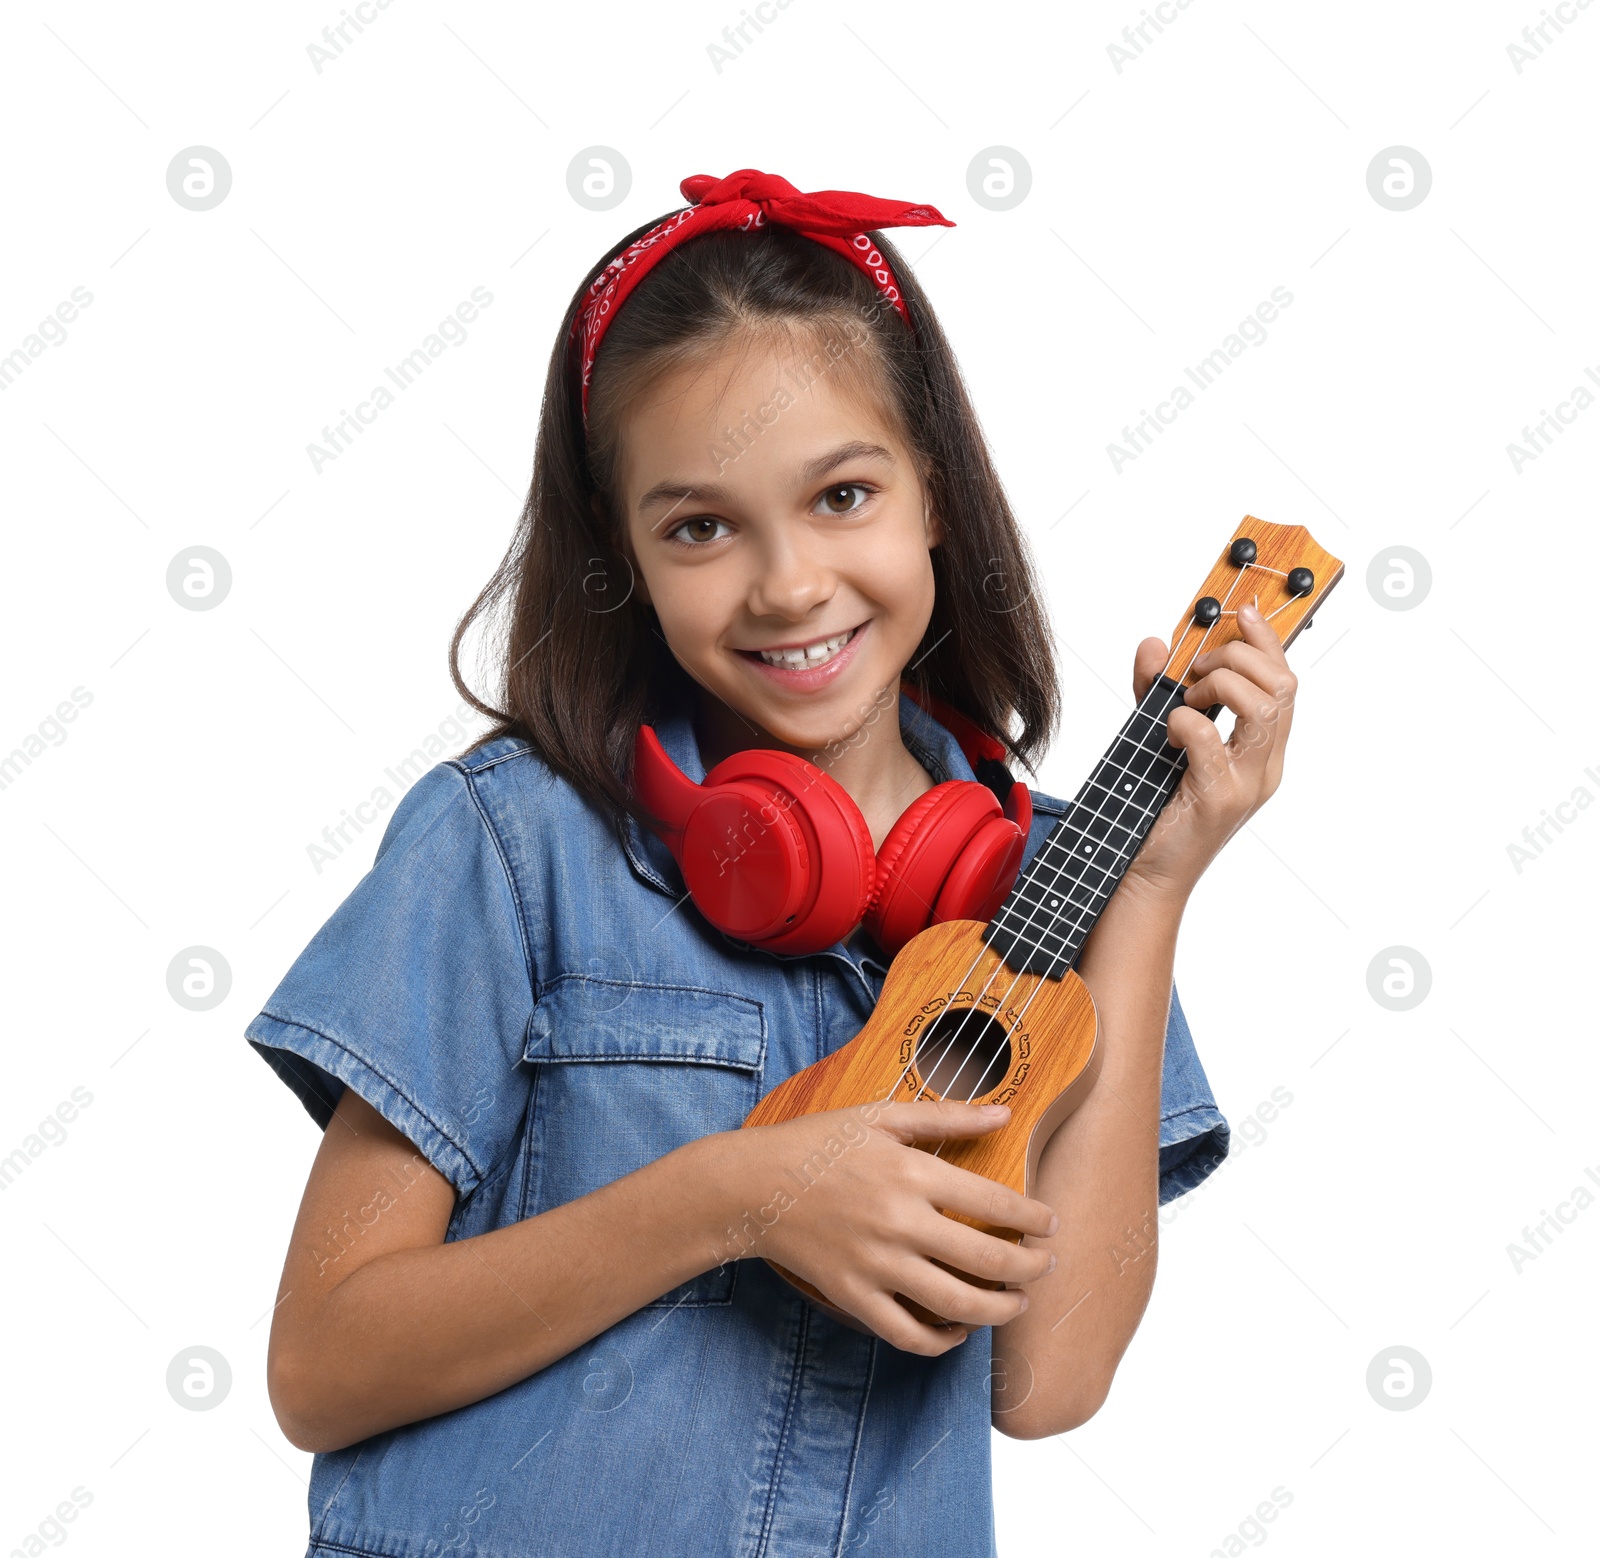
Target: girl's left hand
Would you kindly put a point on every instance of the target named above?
(1226, 782)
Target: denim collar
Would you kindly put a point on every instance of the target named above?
(926, 739)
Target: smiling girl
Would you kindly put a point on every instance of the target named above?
(524, 1309)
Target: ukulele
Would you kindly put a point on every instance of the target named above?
(995, 1013)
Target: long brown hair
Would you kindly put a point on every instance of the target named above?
(582, 662)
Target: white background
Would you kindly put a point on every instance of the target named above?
(1168, 199)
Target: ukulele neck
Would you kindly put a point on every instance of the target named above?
(1043, 924)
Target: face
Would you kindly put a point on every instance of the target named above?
(766, 514)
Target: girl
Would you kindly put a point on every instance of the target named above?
(524, 1309)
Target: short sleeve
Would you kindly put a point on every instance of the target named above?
(418, 989)
(1194, 1135)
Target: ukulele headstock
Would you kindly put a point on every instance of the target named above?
(1268, 566)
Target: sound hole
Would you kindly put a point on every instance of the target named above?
(964, 1055)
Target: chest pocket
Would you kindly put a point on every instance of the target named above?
(624, 1073)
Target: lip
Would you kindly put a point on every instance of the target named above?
(807, 678)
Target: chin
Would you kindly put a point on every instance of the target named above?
(836, 718)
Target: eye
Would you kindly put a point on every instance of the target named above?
(836, 500)
(699, 538)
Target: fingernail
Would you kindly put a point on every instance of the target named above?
(995, 1109)
(1248, 613)
(1051, 1267)
(1023, 1305)
(1055, 1223)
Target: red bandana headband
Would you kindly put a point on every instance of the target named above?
(748, 199)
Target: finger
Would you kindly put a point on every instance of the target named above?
(1266, 666)
(946, 1294)
(1262, 722)
(1220, 768)
(1201, 742)
(1263, 663)
(935, 1119)
(1268, 671)
(1149, 661)
(900, 1328)
(1256, 630)
(956, 1189)
(984, 1254)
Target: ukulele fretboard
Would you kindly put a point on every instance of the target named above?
(1043, 924)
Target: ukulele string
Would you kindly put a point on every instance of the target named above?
(1076, 914)
(1098, 814)
(955, 1033)
(1143, 812)
(1079, 908)
(1154, 758)
(1124, 803)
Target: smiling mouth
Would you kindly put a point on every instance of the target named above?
(801, 657)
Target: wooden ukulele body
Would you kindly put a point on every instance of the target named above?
(952, 1018)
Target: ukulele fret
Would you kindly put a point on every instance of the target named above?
(1141, 794)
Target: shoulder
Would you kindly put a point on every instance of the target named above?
(497, 801)
(492, 754)
(547, 834)
(514, 787)
(495, 779)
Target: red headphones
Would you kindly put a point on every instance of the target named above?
(774, 851)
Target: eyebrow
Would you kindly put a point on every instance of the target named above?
(711, 492)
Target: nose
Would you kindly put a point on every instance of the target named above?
(791, 580)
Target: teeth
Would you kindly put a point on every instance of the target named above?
(813, 654)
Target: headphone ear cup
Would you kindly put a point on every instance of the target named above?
(787, 857)
(952, 855)
(986, 872)
(746, 863)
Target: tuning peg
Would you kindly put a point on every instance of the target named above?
(1242, 551)
(1206, 611)
(1301, 581)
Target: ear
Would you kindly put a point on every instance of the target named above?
(932, 527)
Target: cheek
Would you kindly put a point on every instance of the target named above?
(693, 607)
(682, 617)
(904, 581)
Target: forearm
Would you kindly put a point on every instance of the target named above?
(1099, 1171)
(420, 1331)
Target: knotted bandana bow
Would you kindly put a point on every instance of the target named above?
(747, 200)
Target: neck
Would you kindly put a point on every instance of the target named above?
(1043, 924)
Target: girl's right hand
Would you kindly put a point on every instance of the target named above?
(846, 1201)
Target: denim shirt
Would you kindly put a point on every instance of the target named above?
(540, 1013)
